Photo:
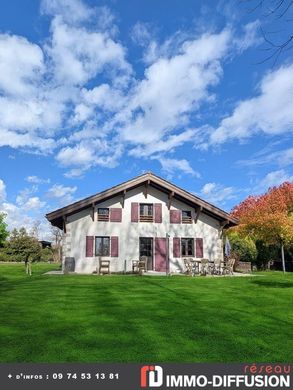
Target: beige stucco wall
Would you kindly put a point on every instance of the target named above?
(81, 225)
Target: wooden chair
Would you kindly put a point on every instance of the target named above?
(188, 266)
(205, 267)
(216, 268)
(228, 267)
(142, 266)
(104, 267)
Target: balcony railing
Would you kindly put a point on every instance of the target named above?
(186, 219)
(146, 218)
(103, 217)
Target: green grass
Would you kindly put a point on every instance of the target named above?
(144, 319)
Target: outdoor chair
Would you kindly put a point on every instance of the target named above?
(205, 267)
(228, 267)
(104, 267)
(188, 266)
(142, 265)
(135, 266)
(217, 267)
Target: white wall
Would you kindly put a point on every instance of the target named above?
(81, 225)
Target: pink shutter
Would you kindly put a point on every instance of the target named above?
(176, 247)
(114, 246)
(89, 246)
(158, 212)
(175, 216)
(115, 214)
(134, 212)
(199, 247)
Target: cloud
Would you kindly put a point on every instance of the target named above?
(270, 112)
(60, 191)
(36, 180)
(217, 193)
(282, 158)
(33, 203)
(173, 166)
(72, 11)
(274, 178)
(22, 79)
(2, 191)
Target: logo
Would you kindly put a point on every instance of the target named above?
(151, 376)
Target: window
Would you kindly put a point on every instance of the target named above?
(186, 216)
(146, 212)
(187, 246)
(102, 246)
(103, 214)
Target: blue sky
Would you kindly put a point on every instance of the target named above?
(93, 93)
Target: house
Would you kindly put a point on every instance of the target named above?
(145, 216)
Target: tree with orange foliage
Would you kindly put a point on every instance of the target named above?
(268, 217)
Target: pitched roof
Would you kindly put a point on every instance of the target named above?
(56, 217)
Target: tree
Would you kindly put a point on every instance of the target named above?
(57, 248)
(268, 217)
(242, 248)
(23, 247)
(3, 229)
(275, 13)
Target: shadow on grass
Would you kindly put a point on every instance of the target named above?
(273, 284)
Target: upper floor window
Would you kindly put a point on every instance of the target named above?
(103, 214)
(187, 246)
(102, 246)
(146, 212)
(186, 216)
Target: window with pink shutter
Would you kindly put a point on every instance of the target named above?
(175, 216)
(114, 246)
(199, 247)
(158, 213)
(176, 247)
(115, 214)
(89, 246)
(134, 212)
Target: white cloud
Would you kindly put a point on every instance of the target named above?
(33, 203)
(78, 54)
(251, 36)
(21, 65)
(36, 180)
(175, 167)
(217, 193)
(282, 158)
(274, 178)
(59, 191)
(2, 191)
(71, 10)
(270, 112)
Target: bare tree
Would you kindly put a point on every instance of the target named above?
(35, 230)
(278, 40)
(57, 235)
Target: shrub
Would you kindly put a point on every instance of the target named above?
(242, 248)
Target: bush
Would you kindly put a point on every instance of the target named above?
(242, 248)
(4, 256)
(47, 254)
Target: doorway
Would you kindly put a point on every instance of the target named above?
(146, 249)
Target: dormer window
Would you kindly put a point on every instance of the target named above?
(103, 214)
(186, 216)
(146, 212)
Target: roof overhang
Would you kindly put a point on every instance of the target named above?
(58, 217)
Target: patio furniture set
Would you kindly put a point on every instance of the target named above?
(208, 267)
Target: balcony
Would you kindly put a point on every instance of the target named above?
(146, 218)
(103, 217)
(186, 219)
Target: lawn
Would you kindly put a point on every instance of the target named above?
(46, 318)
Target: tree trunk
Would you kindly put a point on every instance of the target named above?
(283, 258)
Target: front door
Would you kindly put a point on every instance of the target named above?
(160, 254)
(146, 249)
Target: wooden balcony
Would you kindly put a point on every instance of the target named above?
(186, 219)
(103, 217)
(146, 218)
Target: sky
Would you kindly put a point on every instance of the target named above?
(93, 93)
